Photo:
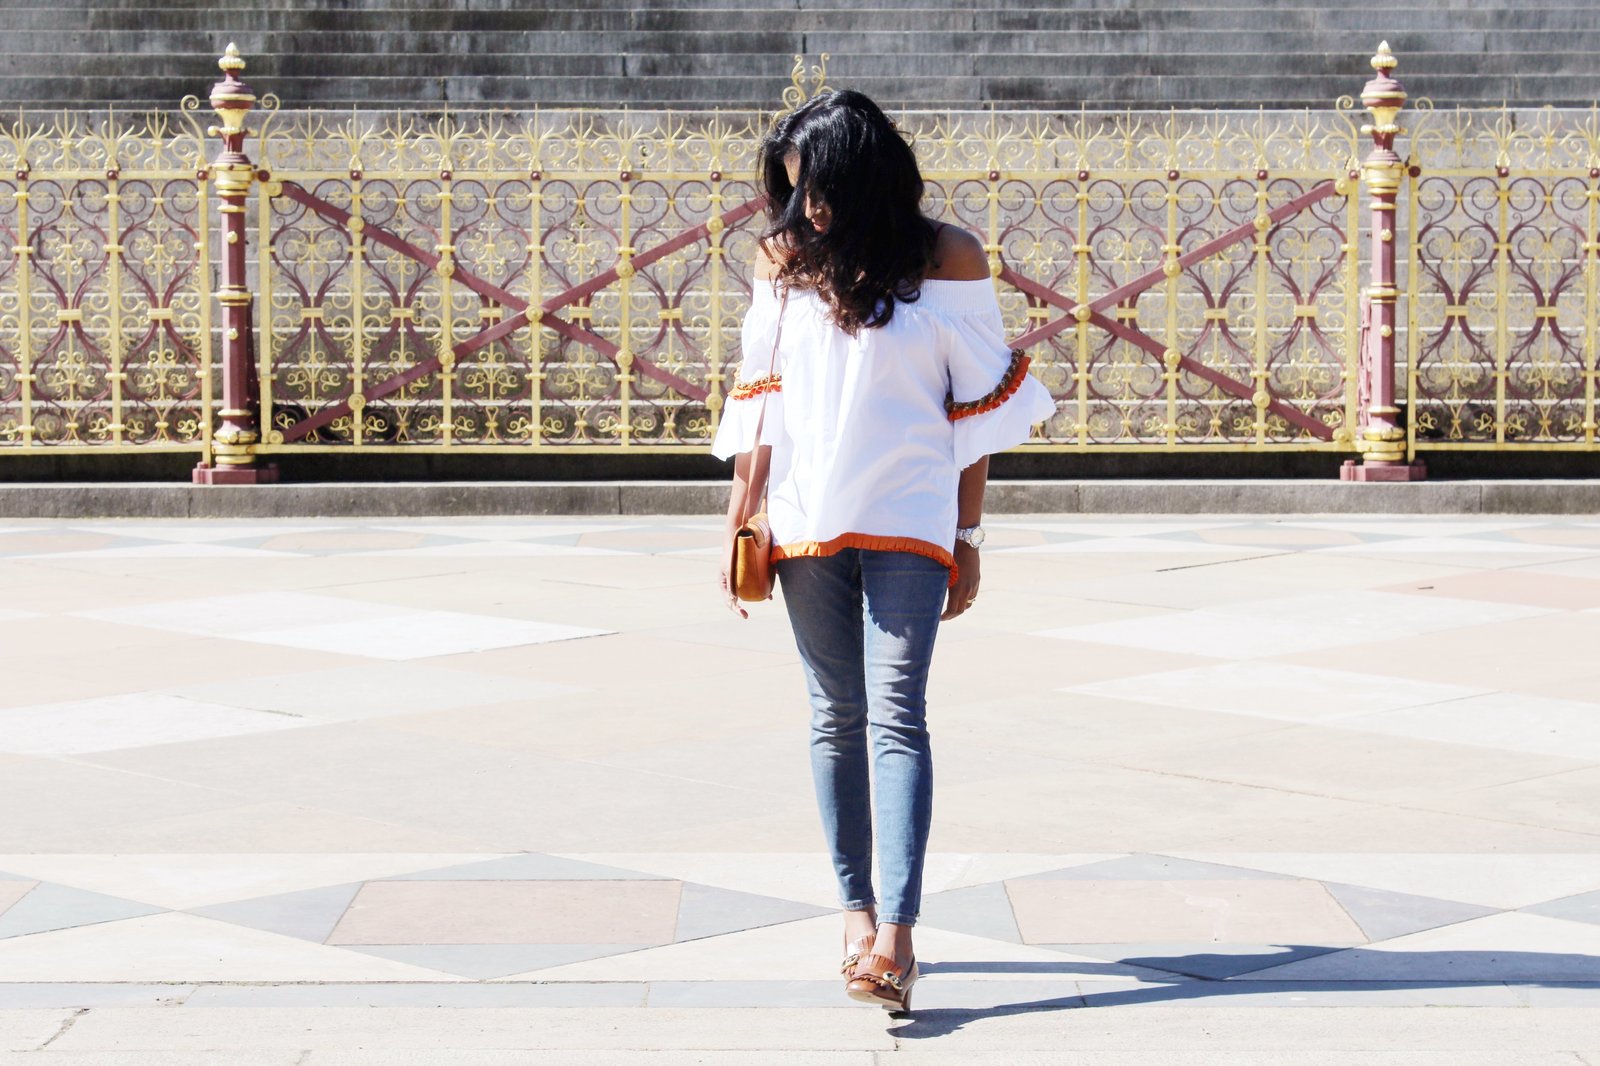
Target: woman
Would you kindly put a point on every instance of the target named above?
(876, 366)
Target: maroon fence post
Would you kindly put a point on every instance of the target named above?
(239, 429)
(1381, 439)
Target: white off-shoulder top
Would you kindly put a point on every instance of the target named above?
(870, 433)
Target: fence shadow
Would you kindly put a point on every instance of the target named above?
(1365, 970)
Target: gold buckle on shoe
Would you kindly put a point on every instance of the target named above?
(893, 978)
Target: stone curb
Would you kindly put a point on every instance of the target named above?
(458, 499)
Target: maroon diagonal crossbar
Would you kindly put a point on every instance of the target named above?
(1149, 278)
(546, 315)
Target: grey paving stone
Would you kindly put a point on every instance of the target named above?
(1382, 915)
(22, 996)
(1154, 868)
(310, 914)
(1041, 969)
(1243, 992)
(706, 911)
(51, 906)
(749, 994)
(982, 910)
(1213, 961)
(497, 994)
(1566, 994)
(530, 867)
(485, 961)
(1581, 908)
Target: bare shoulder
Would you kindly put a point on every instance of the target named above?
(958, 256)
(770, 257)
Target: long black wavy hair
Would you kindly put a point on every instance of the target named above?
(878, 247)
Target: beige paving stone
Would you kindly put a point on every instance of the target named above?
(1197, 587)
(1586, 688)
(60, 796)
(186, 948)
(27, 1030)
(639, 571)
(1352, 765)
(622, 655)
(1083, 727)
(255, 827)
(53, 635)
(614, 723)
(808, 950)
(1281, 536)
(11, 891)
(1000, 666)
(1561, 800)
(51, 542)
(511, 912)
(1224, 912)
(185, 881)
(1585, 536)
(1498, 655)
(1103, 808)
(424, 1029)
(1281, 690)
(59, 677)
(511, 800)
(1396, 830)
(335, 540)
(807, 877)
(537, 592)
(1508, 586)
(1506, 880)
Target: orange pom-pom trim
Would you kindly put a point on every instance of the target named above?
(744, 390)
(1009, 384)
(803, 549)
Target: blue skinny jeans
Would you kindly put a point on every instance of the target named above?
(865, 623)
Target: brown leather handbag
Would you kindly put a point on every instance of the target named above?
(750, 572)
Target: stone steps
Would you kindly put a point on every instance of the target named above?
(718, 53)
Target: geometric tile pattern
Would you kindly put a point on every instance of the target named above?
(1221, 761)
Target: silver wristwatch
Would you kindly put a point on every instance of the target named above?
(972, 535)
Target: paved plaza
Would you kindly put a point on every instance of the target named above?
(1210, 790)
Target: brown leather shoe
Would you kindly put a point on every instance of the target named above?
(879, 980)
(854, 951)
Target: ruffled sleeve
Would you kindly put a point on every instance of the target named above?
(759, 380)
(994, 402)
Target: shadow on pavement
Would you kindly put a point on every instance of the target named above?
(1365, 971)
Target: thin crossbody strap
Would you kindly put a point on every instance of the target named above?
(755, 451)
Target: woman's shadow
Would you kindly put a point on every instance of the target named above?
(1198, 976)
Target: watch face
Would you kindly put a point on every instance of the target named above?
(973, 536)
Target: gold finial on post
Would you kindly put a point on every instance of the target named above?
(231, 62)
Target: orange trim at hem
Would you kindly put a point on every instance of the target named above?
(803, 549)
(744, 390)
(1009, 384)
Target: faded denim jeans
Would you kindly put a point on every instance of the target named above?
(865, 623)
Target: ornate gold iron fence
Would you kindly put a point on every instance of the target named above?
(105, 312)
(575, 279)
(1504, 257)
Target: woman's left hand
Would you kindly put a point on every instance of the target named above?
(965, 591)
